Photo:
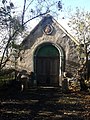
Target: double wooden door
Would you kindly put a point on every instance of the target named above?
(47, 71)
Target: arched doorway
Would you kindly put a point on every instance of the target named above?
(47, 65)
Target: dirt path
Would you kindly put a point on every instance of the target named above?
(45, 104)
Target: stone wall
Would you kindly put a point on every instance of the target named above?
(38, 37)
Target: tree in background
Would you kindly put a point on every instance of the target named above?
(80, 25)
(13, 26)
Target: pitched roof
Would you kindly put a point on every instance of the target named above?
(60, 26)
(67, 33)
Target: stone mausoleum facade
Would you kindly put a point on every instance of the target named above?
(49, 51)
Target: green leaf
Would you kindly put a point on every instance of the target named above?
(81, 27)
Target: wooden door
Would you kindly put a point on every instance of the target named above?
(47, 64)
(47, 71)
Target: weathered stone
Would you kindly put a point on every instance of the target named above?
(59, 38)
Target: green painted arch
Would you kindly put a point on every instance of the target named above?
(58, 51)
(48, 51)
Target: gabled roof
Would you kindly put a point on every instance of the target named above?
(60, 26)
(67, 33)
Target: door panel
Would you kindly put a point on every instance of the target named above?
(47, 70)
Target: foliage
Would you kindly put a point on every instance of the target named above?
(80, 25)
(6, 75)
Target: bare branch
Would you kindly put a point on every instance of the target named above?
(29, 5)
(23, 12)
(36, 17)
